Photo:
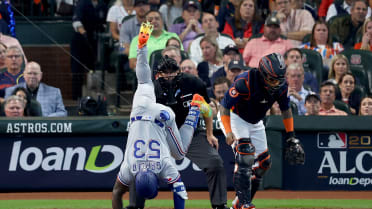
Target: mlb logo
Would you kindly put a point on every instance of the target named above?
(355, 59)
(332, 140)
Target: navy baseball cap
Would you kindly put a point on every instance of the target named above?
(312, 95)
(140, 2)
(229, 48)
(236, 64)
(191, 3)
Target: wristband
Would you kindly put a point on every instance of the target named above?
(288, 124)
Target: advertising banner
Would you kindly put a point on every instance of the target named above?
(36, 163)
(334, 161)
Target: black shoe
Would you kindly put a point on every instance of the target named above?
(220, 207)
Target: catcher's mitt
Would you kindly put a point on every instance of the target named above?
(294, 152)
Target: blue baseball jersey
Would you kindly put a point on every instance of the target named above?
(248, 98)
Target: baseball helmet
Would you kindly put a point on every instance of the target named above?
(272, 69)
(167, 65)
(147, 184)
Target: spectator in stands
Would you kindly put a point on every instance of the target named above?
(244, 24)
(348, 28)
(88, 20)
(323, 8)
(219, 88)
(3, 48)
(294, 23)
(14, 106)
(269, 43)
(366, 43)
(14, 73)
(210, 26)
(347, 92)
(294, 55)
(341, 7)
(173, 41)
(157, 40)
(130, 28)
(327, 97)
(366, 106)
(170, 11)
(274, 110)
(49, 97)
(190, 28)
(230, 52)
(188, 66)
(296, 91)
(212, 57)
(32, 107)
(312, 104)
(302, 4)
(172, 52)
(321, 42)
(10, 41)
(339, 66)
(227, 10)
(235, 68)
(116, 14)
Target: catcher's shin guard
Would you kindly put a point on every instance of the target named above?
(264, 164)
(244, 158)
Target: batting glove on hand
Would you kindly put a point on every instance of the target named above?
(144, 34)
(294, 152)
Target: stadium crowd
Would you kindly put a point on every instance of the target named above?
(211, 34)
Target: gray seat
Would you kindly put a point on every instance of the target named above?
(313, 63)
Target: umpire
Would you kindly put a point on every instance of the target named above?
(175, 89)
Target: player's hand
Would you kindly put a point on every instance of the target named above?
(204, 107)
(213, 141)
(230, 138)
(144, 34)
(294, 151)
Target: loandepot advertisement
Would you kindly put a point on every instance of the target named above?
(334, 160)
(75, 162)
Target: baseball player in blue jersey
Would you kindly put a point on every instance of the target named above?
(153, 138)
(241, 113)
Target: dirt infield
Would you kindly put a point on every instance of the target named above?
(267, 194)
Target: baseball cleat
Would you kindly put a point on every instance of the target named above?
(204, 107)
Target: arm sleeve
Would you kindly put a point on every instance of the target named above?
(143, 71)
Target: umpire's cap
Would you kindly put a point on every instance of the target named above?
(147, 184)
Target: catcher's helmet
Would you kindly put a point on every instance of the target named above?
(147, 184)
(272, 69)
(167, 65)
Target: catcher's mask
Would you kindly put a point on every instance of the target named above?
(168, 77)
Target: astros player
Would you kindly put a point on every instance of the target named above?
(242, 110)
(153, 137)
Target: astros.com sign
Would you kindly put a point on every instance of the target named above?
(61, 159)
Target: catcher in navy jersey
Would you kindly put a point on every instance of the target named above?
(241, 113)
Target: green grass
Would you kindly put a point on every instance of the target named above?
(260, 203)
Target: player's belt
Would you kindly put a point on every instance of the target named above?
(147, 118)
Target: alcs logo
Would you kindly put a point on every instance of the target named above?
(57, 159)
